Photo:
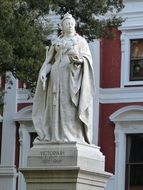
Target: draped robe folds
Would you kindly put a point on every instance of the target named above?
(63, 111)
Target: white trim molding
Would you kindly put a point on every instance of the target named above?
(127, 120)
(24, 114)
(121, 95)
(24, 96)
(8, 177)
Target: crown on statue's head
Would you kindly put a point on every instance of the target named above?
(67, 16)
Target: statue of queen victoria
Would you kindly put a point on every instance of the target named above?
(63, 101)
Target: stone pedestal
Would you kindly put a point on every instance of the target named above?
(65, 166)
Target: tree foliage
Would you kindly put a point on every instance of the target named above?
(22, 34)
(21, 38)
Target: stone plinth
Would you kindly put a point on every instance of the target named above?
(87, 157)
(65, 166)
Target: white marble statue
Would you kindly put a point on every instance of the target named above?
(62, 107)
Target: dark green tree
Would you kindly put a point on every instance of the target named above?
(21, 38)
(22, 34)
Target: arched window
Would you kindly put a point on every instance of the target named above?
(129, 142)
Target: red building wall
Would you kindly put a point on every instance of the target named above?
(110, 71)
(106, 132)
(110, 65)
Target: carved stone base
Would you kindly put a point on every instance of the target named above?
(65, 166)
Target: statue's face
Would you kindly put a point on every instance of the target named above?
(68, 26)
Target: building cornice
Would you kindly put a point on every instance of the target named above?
(121, 95)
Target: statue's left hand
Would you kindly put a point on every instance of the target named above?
(76, 60)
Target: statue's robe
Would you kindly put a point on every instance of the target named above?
(63, 111)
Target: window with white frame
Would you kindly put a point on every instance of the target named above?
(136, 59)
(134, 162)
(132, 58)
(132, 43)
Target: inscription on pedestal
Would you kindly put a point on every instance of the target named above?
(52, 156)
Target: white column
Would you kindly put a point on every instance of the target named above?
(95, 51)
(24, 138)
(120, 155)
(8, 171)
(24, 118)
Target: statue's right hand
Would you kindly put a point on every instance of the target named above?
(46, 68)
(43, 76)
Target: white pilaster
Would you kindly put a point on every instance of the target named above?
(24, 118)
(8, 171)
(95, 51)
(24, 139)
